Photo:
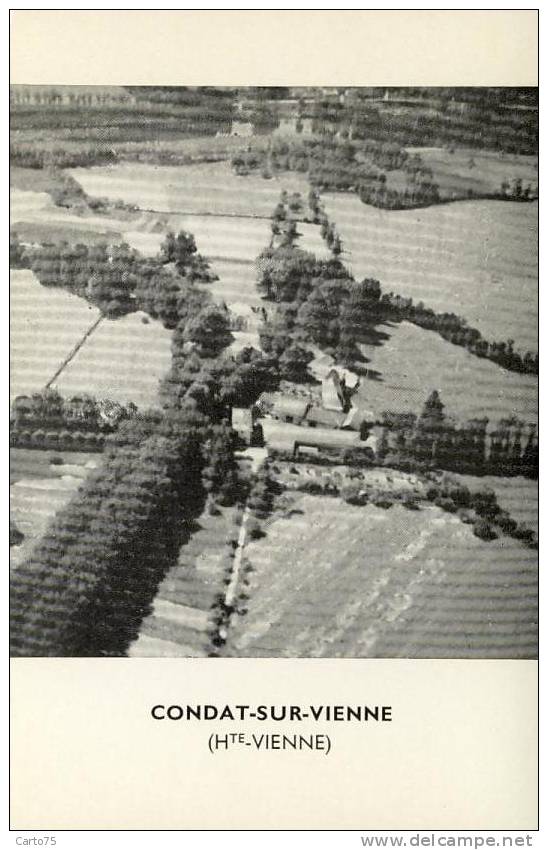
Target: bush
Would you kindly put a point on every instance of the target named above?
(466, 516)
(352, 494)
(16, 536)
(524, 533)
(56, 460)
(383, 503)
(254, 529)
(446, 504)
(485, 503)
(484, 530)
(506, 523)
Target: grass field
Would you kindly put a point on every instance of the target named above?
(456, 175)
(332, 580)
(202, 188)
(122, 360)
(412, 362)
(45, 324)
(474, 258)
(38, 489)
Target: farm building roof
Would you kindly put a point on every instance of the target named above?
(356, 416)
(283, 435)
(329, 418)
(280, 405)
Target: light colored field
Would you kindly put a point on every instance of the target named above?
(311, 240)
(227, 237)
(202, 188)
(35, 218)
(236, 284)
(474, 258)
(122, 360)
(40, 489)
(413, 362)
(333, 580)
(454, 175)
(45, 324)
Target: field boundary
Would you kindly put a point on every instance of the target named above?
(206, 214)
(74, 351)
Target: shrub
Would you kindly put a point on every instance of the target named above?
(16, 536)
(254, 529)
(466, 516)
(506, 523)
(485, 504)
(52, 439)
(484, 530)
(409, 501)
(383, 503)
(38, 438)
(524, 533)
(352, 494)
(56, 460)
(446, 504)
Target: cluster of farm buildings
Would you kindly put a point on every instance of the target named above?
(297, 424)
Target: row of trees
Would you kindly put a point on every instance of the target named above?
(64, 440)
(48, 409)
(28, 156)
(91, 579)
(456, 330)
(443, 120)
(506, 448)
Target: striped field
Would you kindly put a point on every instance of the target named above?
(45, 324)
(412, 362)
(333, 580)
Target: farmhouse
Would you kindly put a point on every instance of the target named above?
(338, 387)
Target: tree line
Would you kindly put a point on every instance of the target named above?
(46, 420)
(506, 448)
(91, 579)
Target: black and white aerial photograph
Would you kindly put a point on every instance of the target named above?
(274, 372)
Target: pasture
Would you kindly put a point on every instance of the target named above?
(333, 580)
(479, 171)
(45, 324)
(200, 189)
(474, 258)
(412, 362)
(122, 360)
